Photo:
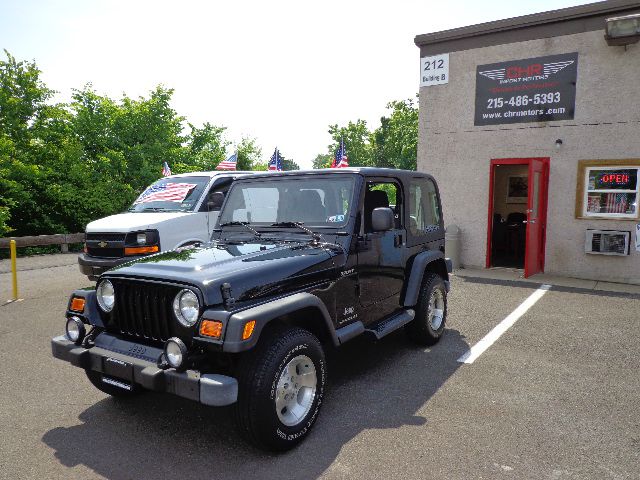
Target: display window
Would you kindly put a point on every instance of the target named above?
(608, 190)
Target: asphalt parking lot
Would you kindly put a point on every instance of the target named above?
(556, 397)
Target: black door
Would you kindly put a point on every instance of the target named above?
(380, 255)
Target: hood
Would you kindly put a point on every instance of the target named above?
(128, 222)
(252, 269)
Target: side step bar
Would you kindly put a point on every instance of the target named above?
(391, 324)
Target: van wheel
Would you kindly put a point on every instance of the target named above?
(111, 389)
(281, 386)
(431, 312)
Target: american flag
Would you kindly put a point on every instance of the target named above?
(229, 163)
(168, 192)
(616, 203)
(166, 171)
(340, 159)
(275, 164)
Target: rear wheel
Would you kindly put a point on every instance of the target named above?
(281, 385)
(112, 386)
(431, 311)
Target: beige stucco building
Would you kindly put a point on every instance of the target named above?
(532, 182)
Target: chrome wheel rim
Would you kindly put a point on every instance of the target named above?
(436, 309)
(296, 390)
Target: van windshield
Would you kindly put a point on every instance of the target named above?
(175, 194)
(316, 201)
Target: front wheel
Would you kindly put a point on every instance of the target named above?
(281, 385)
(431, 311)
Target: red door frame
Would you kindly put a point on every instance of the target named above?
(544, 193)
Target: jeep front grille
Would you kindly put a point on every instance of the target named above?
(145, 310)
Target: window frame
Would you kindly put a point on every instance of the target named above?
(424, 237)
(582, 190)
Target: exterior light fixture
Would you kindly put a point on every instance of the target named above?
(622, 30)
(558, 143)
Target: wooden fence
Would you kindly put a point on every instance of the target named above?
(62, 239)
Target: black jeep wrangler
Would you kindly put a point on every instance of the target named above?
(299, 262)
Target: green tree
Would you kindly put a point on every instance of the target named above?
(396, 139)
(206, 148)
(249, 154)
(357, 140)
(288, 164)
(322, 160)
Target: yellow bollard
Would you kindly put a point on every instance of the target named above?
(14, 271)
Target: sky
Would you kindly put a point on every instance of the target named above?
(277, 71)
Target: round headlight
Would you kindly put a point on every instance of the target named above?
(106, 295)
(175, 351)
(186, 307)
(75, 330)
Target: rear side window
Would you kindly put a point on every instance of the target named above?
(424, 210)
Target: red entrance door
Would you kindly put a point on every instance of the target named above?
(536, 222)
(536, 216)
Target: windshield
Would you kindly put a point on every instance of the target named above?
(321, 201)
(175, 194)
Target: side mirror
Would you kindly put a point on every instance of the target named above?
(382, 219)
(216, 199)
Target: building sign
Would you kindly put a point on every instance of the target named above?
(613, 179)
(434, 70)
(539, 89)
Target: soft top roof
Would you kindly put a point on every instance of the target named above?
(209, 174)
(364, 171)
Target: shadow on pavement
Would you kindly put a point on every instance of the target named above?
(372, 385)
(555, 288)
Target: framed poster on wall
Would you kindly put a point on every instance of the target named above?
(517, 188)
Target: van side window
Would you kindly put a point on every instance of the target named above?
(424, 211)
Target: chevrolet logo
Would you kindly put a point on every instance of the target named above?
(102, 244)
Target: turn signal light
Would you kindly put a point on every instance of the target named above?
(140, 250)
(248, 329)
(211, 328)
(77, 304)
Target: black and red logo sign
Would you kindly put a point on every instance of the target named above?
(539, 89)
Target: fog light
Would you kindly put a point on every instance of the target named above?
(176, 352)
(75, 330)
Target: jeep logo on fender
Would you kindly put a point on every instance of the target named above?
(531, 90)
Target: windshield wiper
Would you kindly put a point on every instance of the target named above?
(244, 224)
(316, 236)
(151, 209)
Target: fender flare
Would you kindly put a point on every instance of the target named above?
(420, 263)
(267, 312)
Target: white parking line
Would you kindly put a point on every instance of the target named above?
(488, 340)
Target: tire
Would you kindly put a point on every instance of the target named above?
(96, 379)
(431, 312)
(280, 388)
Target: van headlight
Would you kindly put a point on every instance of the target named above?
(186, 306)
(106, 295)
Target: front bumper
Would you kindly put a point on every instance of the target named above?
(208, 389)
(93, 267)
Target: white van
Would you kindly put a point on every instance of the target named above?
(173, 212)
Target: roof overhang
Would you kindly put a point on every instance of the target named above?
(565, 21)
